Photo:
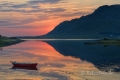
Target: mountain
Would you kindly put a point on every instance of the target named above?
(103, 22)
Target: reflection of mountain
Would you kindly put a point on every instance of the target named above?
(103, 22)
(104, 58)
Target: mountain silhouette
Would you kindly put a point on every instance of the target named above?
(103, 22)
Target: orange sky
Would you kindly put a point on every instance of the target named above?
(37, 17)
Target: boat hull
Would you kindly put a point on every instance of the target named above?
(25, 65)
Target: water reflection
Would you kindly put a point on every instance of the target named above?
(51, 64)
(27, 68)
(0, 49)
(60, 60)
(104, 58)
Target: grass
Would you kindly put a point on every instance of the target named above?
(7, 42)
(105, 42)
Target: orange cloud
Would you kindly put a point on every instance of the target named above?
(40, 17)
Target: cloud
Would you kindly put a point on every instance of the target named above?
(21, 11)
(19, 27)
(26, 5)
(73, 14)
(43, 1)
(36, 10)
(41, 16)
(15, 24)
(4, 4)
(19, 6)
(52, 10)
(8, 23)
(30, 11)
(31, 6)
(22, 27)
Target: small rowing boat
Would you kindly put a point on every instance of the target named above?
(23, 64)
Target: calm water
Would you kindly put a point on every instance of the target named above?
(61, 60)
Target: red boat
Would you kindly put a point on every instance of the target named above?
(23, 64)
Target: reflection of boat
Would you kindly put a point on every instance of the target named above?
(23, 64)
(28, 68)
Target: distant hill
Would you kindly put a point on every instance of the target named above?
(103, 22)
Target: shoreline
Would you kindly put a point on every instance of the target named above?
(9, 42)
(105, 42)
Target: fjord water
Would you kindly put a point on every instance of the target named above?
(61, 60)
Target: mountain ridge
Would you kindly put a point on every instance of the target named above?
(103, 22)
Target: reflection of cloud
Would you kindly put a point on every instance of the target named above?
(54, 75)
(53, 64)
(50, 75)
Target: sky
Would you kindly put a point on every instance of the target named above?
(38, 17)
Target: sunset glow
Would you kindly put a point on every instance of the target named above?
(38, 17)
